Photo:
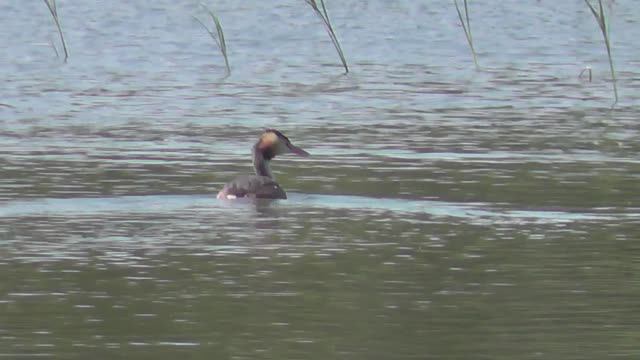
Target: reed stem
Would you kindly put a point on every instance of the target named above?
(51, 4)
(322, 13)
(218, 37)
(602, 23)
(467, 29)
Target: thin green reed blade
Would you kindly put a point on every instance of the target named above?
(212, 34)
(467, 29)
(466, 12)
(602, 23)
(54, 13)
(312, 3)
(217, 36)
(223, 43)
(323, 14)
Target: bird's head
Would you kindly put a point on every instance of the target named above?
(272, 142)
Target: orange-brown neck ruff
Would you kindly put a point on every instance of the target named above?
(267, 145)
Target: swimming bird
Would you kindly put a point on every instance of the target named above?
(262, 185)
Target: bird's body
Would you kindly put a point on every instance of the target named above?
(262, 185)
(252, 186)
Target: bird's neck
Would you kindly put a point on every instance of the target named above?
(261, 164)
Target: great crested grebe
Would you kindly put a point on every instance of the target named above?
(262, 185)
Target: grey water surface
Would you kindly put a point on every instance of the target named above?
(445, 212)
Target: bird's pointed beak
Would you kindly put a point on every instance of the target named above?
(296, 150)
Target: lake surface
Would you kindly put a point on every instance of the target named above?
(445, 213)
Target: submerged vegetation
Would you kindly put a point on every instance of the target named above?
(586, 70)
(601, 19)
(466, 26)
(217, 36)
(51, 4)
(321, 11)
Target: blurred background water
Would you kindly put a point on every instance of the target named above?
(445, 213)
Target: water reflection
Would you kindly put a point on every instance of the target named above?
(297, 205)
(141, 283)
